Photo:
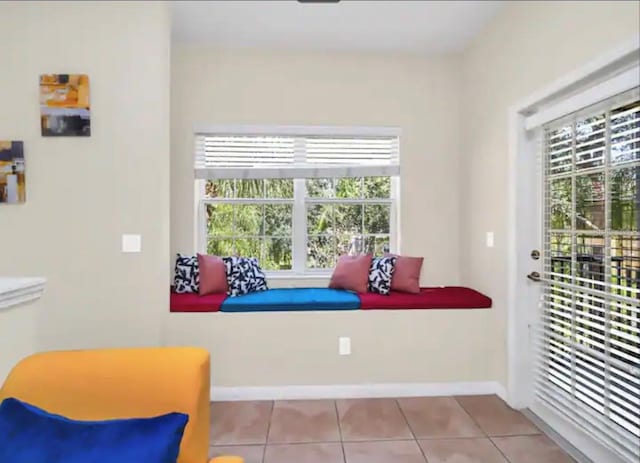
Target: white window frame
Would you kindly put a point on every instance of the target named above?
(300, 201)
(606, 76)
(304, 201)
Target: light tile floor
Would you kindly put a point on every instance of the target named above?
(470, 429)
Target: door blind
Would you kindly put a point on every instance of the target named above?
(588, 338)
(294, 156)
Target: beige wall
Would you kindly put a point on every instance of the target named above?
(17, 334)
(301, 348)
(211, 86)
(527, 46)
(419, 95)
(83, 193)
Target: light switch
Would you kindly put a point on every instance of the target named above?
(344, 346)
(490, 241)
(131, 243)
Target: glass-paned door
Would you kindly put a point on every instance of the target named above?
(589, 337)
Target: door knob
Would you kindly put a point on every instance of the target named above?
(534, 276)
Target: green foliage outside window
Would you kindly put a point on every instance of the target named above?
(265, 230)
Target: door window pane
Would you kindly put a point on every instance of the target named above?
(590, 202)
(625, 199)
(559, 150)
(590, 142)
(625, 134)
(560, 207)
(560, 247)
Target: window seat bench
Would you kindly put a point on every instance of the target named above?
(321, 299)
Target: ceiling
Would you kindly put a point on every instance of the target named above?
(430, 27)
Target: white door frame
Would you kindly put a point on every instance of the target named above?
(521, 148)
(524, 203)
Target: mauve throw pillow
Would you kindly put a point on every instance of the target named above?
(406, 275)
(352, 273)
(213, 275)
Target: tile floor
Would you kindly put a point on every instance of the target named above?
(470, 429)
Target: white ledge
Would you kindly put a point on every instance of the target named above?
(297, 276)
(14, 291)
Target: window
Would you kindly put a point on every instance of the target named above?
(591, 308)
(346, 216)
(296, 201)
(251, 218)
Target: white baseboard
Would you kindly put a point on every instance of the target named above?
(357, 391)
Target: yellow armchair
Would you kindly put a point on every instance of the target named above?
(121, 383)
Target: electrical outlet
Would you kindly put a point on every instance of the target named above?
(344, 346)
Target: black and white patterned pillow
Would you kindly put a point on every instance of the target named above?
(380, 274)
(187, 274)
(244, 275)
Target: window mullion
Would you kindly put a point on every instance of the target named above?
(201, 239)
(574, 258)
(362, 231)
(394, 220)
(607, 264)
(263, 241)
(299, 238)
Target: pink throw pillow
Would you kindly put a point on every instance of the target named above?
(351, 273)
(213, 275)
(406, 275)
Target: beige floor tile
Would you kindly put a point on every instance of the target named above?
(531, 449)
(250, 453)
(461, 451)
(495, 417)
(438, 417)
(383, 452)
(304, 453)
(372, 419)
(240, 423)
(304, 421)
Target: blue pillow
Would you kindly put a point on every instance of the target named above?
(29, 434)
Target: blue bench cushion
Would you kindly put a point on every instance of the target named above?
(293, 299)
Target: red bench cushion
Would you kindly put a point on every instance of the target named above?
(193, 302)
(449, 297)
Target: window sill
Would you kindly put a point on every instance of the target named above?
(15, 291)
(298, 276)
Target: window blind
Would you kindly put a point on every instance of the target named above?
(588, 338)
(227, 156)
